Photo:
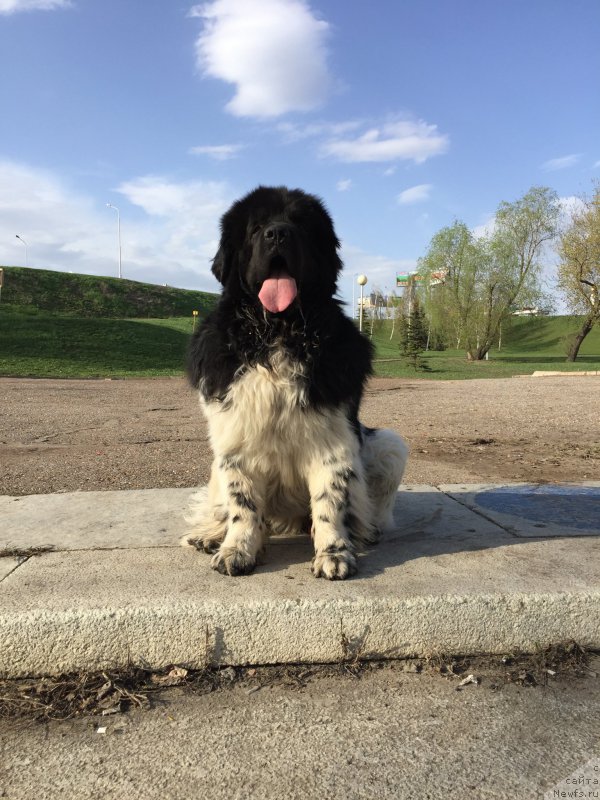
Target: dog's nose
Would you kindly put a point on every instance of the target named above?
(278, 233)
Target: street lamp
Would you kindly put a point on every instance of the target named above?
(110, 205)
(20, 238)
(361, 280)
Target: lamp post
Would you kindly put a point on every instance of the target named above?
(354, 296)
(361, 280)
(110, 205)
(20, 238)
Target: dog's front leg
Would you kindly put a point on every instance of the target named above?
(330, 485)
(245, 519)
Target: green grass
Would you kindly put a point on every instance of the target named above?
(529, 344)
(70, 347)
(67, 294)
(63, 325)
(34, 343)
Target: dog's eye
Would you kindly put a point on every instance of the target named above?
(255, 229)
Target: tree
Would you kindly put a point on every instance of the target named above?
(452, 253)
(579, 268)
(376, 308)
(413, 337)
(484, 277)
(396, 306)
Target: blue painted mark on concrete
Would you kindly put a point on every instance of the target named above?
(568, 506)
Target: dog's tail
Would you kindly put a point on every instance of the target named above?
(384, 454)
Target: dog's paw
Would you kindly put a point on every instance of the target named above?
(205, 544)
(229, 561)
(334, 565)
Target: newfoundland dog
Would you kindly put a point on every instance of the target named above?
(281, 371)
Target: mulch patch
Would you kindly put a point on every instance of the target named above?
(116, 691)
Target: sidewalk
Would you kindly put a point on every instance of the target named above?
(469, 569)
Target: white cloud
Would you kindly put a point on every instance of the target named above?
(41, 209)
(186, 231)
(416, 194)
(220, 152)
(597, 164)
(14, 6)
(170, 238)
(564, 162)
(569, 207)
(393, 141)
(344, 185)
(294, 132)
(571, 204)
(486, 228)
(272, 51)
(158, 196)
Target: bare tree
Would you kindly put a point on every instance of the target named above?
(579, 268)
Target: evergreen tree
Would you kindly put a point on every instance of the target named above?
(413, 337)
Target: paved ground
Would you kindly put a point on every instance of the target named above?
(90, 435)
(388, 734)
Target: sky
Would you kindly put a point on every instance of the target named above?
(402, 115)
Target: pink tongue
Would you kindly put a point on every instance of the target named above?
(276, 294)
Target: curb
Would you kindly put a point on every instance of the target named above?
(446, 580)
(566, 373)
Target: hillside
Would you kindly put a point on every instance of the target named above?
(73, 295)
(55, 324)
(528, 344)
(547, 335)
(538, 337)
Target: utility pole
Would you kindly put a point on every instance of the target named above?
(110, 205)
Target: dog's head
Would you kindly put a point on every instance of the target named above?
(278, 249)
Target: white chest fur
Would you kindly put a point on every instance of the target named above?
(265, 417)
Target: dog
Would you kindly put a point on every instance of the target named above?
(281, 372)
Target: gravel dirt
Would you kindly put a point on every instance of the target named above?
(69, 435)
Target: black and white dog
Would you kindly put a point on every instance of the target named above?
(281, 372)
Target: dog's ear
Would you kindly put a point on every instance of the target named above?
(220, 267)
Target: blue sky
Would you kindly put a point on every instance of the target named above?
(402, 116)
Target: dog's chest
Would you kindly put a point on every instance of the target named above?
(263, 405)
(271, 394)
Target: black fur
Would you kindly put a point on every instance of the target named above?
(269, 230)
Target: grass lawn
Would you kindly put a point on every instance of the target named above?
(93, 296)
(39, 345)
(452, 365)
(529, 344)
(55, 346)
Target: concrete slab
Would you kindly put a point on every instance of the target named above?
(587, 373)
(532, 511)
(7, 565)
(91, 520)
(155, 518)
(446, 580)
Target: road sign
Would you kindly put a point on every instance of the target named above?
(406, 278)
(438, 277)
